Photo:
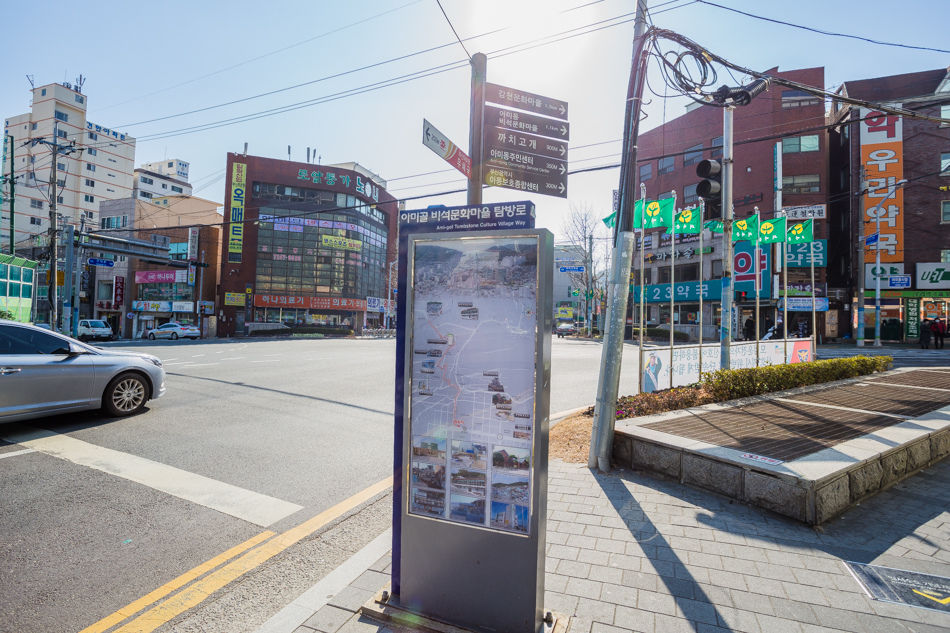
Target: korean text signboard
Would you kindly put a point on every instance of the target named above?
(449, 151)
(236, 217)
(800, 255)
(933, 276)
(193, 244)
(882, 155)
(118, 291)
(912, 317)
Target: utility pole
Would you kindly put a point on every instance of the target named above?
(12, 181)
(479, 70)
(590, 285)
(608, 382)
(54, 312)
(725, 320)
(76, 300)
(201, 285)
(859, 335)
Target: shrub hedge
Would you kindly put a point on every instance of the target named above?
(728, 384)
(662, 333)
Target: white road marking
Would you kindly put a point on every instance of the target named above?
(184, 362)
(273, 355)
(190, 365)
(168, 360)
(266, 361)
(15, 453)
(197, 355)
(233, 358)
(244, 504)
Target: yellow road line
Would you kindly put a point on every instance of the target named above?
(204, 588)
(133, 608)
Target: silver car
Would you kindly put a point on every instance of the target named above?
(44, 373)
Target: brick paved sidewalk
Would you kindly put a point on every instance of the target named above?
(628, 552)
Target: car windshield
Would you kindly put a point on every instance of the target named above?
(97, 324)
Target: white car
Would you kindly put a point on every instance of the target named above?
(93, 330)
(174, 331)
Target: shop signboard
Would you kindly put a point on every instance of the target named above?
(206, 307)
(804, 289)
(334, 241)
(800, 255)
(193, 244)
(310, 303)
(884, 271)
(912, 317)
(899, 281)
(234, 299)
(375, 304)
(816, 211)
(161, 276)
(919, 294)
(183, 306)
(152, 306)
(118, 291)
(882, 156)
(236, 216)
(933, 276)
(803, 304)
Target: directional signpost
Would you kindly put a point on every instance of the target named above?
(108, 263)
(522, 100)
(872, 239)
(449, 151)
(530, 123)
(572, 269)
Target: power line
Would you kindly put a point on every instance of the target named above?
(821, 32)
(451, 26)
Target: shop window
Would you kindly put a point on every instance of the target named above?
(800, 144)
(798, 99)
(716, 145)
(689, 194)
(807, 183)
(945, 211)
(693, 155)
(665, 165)
(945, 164)
(646, 172)
(945, 256)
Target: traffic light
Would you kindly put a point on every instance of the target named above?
(710, 188)
(741, 295)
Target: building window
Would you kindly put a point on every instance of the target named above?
(92, 151)
(171, 164)
(689, 194)
(145, 194)
(33, 127)
(61, 183)
(945, 256)
(945, 211)
(800, 144)
(808, 183)
(646, 172)
(61, 116)
(79, 99)
(59, 200)
(36, 204)
(61, 133)
(798, 99)
(693, 155)
(43, 92)
(164, 185)
(90, 167)
(945, 114)
(89, 198)
(665, 165)
(664, 196)
(36, 221)
(146, 181)
(93, 136)
(177, 189)
(90, 183)
(945, 164)
(716, 145)
(61, 166)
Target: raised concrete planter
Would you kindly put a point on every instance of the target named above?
(812, 489)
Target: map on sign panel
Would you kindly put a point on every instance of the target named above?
(474, 331)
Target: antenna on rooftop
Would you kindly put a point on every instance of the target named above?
(30, 79)
(79, 83)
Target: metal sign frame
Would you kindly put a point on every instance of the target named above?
(477, 577)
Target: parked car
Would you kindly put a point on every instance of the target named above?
(44, 373)
(174, 331)
(563, 329)
(93, 330)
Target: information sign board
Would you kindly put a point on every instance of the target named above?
(898, 281)
(572, 269)
(522, 100)
(503, 138)
(107, 263)
(530, 123)
(449, 151)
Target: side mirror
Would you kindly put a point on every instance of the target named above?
(72, 350)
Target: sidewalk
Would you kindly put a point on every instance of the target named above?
(628, 552)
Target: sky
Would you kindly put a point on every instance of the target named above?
(356, 79)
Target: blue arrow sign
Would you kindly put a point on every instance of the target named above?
(871, 239)
(571, 269)
(108, 263)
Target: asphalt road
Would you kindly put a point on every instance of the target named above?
(297, 425)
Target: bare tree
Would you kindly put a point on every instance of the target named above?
(584, 232)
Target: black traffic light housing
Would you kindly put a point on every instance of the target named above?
(710, 188)
(741, 295)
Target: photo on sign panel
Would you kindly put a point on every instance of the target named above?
(467, 509)
(509, 516)
(427, 475)
(428, 502)
(429, 449)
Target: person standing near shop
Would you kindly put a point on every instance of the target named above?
(925, 334)
(939, 330)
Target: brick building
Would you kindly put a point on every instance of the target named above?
(668, 155)
(305, 243)
(914, 216)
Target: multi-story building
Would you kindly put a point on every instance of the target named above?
(668, 156)
(887, 173)
(158, 298)
(165, 180)
(96, 166)
(305, 243)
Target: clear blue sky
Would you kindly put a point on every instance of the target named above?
(146, 61)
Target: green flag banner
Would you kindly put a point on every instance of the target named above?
(801, 232)
(746, 230)
(715, 226)
(687, 221)
(658, 213)
(611, 220)
(638, 214)
(772, 231)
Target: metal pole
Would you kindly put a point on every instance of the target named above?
(783, 246)
(201, 285)
(77, 301)
(12, 200)
(643, 290)
(589, 291)
(758, 289)
(778, 260)
(814, 318)
(612, 355)
(702, 281)
(672, 282)
(877, 278)
(859, 335)
(52, 296)
(68, 322)
(725, 330)
(479, 70)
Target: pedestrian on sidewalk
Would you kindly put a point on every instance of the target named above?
(939, 330)
(925, 334)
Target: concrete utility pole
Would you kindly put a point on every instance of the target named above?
(475, 133)
(608, 385)
(54, 312)
(725, 320)
(589, 291)
(12, 181)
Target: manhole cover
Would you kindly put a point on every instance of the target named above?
(904, 587)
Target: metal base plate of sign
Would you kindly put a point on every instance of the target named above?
(477, 374)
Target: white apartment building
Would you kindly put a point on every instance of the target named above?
(151, 185)
(97, 166)
(171, 167)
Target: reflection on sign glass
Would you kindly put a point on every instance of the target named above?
(472, 403)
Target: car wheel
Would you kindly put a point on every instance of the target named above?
(151, 337)
(84, 338)
(125, 395)
(174, 336)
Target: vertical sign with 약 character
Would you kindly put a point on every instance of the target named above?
(882, 154)
(236, 228)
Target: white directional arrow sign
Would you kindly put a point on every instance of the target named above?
(441, 145)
